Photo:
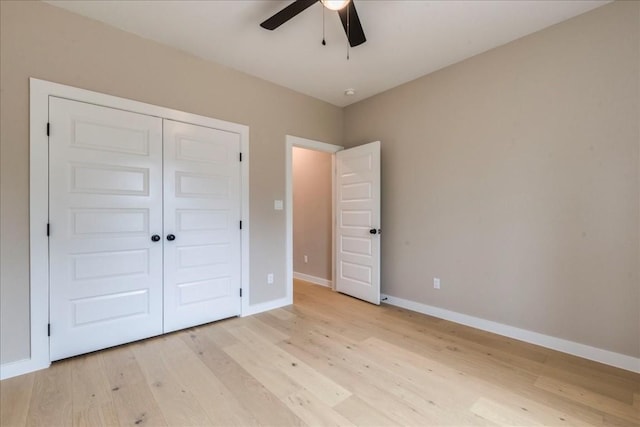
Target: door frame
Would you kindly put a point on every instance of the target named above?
(295, 141)
(40, 91)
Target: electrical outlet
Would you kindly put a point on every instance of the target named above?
(270, 279)
(436, 283)
(306, 259)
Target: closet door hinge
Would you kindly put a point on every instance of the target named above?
(240, 156)
(240, 292)
(48, 329)
(48, 229)
(48, 127)
(240, 225)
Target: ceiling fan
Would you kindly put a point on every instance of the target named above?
(345, 8)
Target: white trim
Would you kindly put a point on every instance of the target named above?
(40, 91)
(290, 142)
(21, 367)
(266, 306)
(313, 279)
(244, 212)
(38, 242)
(333, 222)
(581, 350)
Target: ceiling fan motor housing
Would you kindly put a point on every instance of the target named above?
(346, 10)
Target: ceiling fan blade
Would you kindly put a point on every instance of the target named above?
(354, 32)
(287, 13)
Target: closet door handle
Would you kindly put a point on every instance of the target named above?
(171, 237)
(155, 238)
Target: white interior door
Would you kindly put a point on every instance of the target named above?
(202, 253)
(358, 222)
(105, 193)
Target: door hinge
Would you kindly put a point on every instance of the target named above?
(48, 329)
(48, 128)
(240, 156)
(240, 225)
(48, 229)
(240, 292)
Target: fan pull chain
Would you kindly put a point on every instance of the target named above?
(324, 43)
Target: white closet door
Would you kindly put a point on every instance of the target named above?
(202, 225)
(105, 205)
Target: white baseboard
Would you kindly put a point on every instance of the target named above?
(312, 279)
(581, 350)
(266, 306)
(20, 367)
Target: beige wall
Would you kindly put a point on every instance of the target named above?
(312, 200)
(39, 40)
(514, 177)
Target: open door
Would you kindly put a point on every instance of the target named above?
(358, 222)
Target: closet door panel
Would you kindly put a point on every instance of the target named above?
(105, 178)
(202, 213)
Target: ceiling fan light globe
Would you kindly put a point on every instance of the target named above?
(335, 4)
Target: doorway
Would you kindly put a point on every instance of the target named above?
(355, 217)
(321, 148)
(312, 216)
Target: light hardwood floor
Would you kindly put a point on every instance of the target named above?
(327, 360)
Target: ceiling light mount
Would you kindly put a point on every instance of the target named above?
(335, 4)
(349, 92)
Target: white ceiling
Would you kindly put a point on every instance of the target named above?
(405, 39)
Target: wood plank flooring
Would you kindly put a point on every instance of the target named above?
(327, 360)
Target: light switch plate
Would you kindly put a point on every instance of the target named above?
(278, 205)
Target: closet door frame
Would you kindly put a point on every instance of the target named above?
(40, 91)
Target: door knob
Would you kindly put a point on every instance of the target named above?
(155, 238)
(171, 237)
(375, 231)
